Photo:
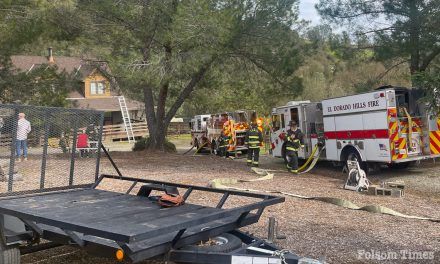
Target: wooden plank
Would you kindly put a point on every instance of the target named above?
(74, 208)
(88, 228)
(106, 209)
(91, 206)
(143, 216)
(162, 224)
(58, 199)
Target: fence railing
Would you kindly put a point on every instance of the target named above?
(115, 132)
(47, 147)
(112, 132)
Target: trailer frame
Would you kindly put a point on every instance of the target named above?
(47, 219)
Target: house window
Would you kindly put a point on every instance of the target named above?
(97, 88)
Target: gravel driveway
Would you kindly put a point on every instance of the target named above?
(313, 229)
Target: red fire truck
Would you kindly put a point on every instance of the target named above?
(389, 125)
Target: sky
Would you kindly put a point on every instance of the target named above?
(307, 11)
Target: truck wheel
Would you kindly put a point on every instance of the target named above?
(223, 243)
(9, 255)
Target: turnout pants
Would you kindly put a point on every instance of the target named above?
(253, 156)
(293, 160)
(222, 151)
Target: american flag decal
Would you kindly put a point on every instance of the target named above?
(383, 147)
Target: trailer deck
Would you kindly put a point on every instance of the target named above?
(89, 217)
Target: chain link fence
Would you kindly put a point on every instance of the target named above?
(45, 148)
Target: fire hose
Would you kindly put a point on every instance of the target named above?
(221, 184)
(313, 158)
(202, 146)
(197, 150)
(186, 152)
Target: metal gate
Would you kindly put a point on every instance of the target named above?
(45, 148)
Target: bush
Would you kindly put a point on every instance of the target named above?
(145, 143)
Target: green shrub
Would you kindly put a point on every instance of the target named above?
(145, 143)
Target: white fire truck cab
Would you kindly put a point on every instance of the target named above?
(388, 125)
(199, 130)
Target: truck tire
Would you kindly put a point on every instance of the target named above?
(9, 255)
(223, 243)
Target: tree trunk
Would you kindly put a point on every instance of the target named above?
(414, 41)
(158, 122)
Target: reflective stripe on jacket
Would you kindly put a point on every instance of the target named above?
(294, 140)
(254, 138)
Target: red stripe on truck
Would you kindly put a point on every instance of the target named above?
(357, 134)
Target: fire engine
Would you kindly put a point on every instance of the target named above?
(388, 125)
(199, 130)
(207, 129)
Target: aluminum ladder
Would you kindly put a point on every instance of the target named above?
(126, 118)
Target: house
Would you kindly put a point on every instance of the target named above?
(95, 91)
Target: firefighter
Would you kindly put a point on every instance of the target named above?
(254, 139)
(222, 145)
(294, 141)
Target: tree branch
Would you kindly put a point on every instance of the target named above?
(429, 58)
(380, 76)
(376, 31)
(184, 94)
(261, 66)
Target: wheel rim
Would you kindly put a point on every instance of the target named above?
(220, 241)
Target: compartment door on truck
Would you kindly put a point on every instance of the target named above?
(330, 138)
(376, 144)
(349, 132)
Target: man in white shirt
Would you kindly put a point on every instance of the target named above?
(23, 129)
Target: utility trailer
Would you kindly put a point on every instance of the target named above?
(132, 227)
(72, 206)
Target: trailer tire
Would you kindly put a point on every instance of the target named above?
(224, 243)
(9, 255)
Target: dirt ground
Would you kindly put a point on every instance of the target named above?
(313, 229)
